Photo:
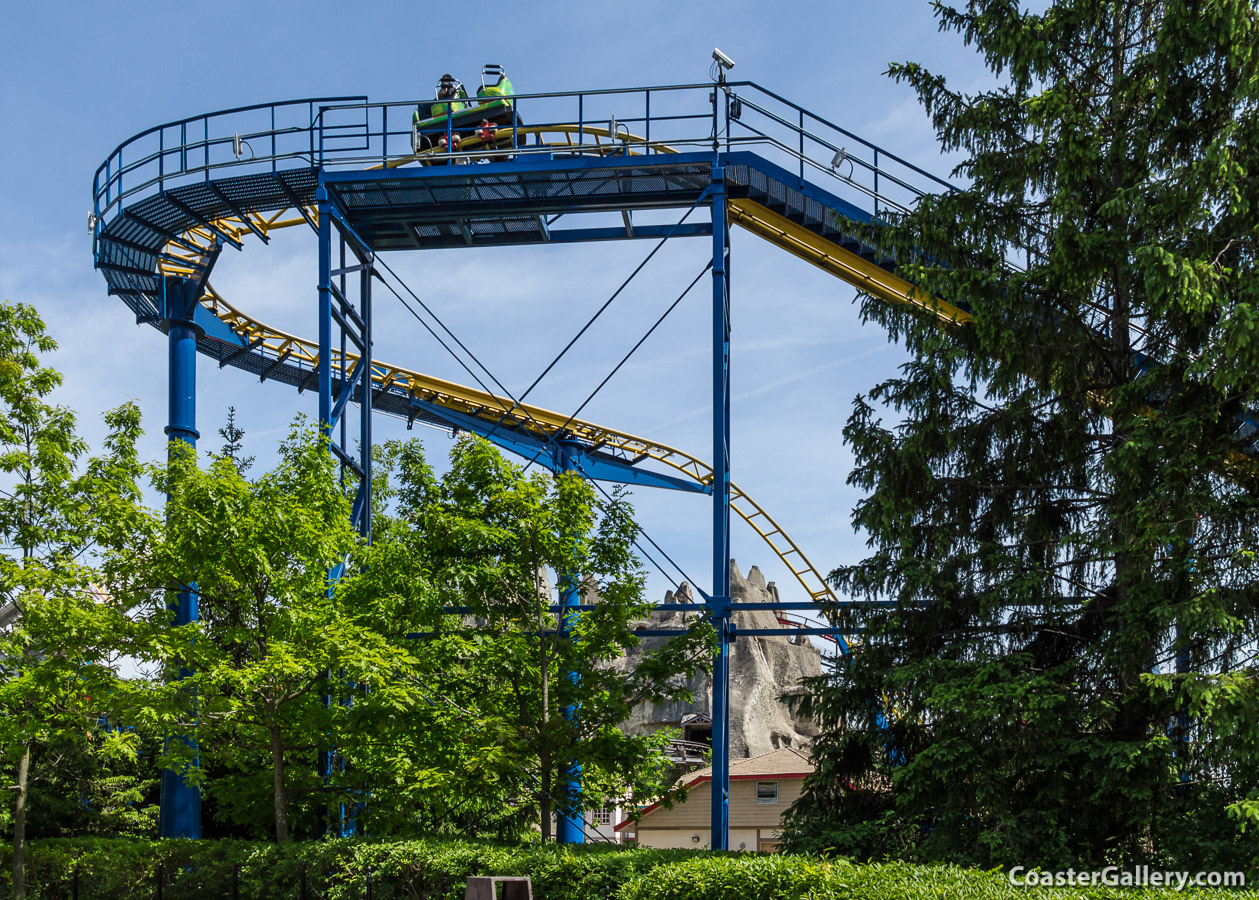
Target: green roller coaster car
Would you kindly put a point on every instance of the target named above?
(492, 108)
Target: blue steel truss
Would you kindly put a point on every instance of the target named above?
(345, 332)
(569, 167)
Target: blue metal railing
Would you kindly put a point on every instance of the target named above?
(335, 132)
(204, 143)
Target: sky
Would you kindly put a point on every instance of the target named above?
(78, 79)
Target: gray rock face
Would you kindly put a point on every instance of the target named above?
(762, 671)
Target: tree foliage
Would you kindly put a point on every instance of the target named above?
(61, 635)
(416, 683)
(493, 541)
(280, 649)
(1064, 508)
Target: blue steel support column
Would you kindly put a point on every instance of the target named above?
(335, 308)
(179, 815)
(325, 309)
(570, 828)
(1184, 664)
(365, 403)
(1183, 667)
(719, 604)
(324, 367)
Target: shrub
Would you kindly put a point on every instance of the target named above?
(437, 868)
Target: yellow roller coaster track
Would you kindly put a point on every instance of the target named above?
(180, 259)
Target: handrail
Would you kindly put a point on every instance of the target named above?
(865, 164)
(369, 136)
(677, 122)
(185, 146)
(226, 112)
(849, 134)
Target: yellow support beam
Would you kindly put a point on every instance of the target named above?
(830, 257)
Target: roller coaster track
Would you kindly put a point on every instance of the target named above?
(169, 232)
(166, 200)
(491, 408)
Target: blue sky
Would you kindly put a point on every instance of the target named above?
(78, 79)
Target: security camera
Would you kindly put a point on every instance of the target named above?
(722, 60)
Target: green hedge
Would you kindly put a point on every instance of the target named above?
(339, 870)
(748, 877)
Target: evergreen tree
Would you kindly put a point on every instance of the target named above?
(233, 442)
(1064, 510)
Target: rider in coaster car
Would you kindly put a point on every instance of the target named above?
(449, 96)
(450, 89)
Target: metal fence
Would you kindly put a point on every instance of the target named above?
(339, 132)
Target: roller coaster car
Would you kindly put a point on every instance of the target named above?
(482, 118)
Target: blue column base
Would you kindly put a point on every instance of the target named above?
(180, 813)
(570, 829)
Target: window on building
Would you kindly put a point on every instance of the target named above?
(602, 816)
(767, 792)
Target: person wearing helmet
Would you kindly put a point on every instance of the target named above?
(449, 92)
(453, 117)
(428, 121)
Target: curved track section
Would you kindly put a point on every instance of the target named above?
(272, 353)
(277, 345)
(168, 231)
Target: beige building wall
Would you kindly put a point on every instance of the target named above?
(748, 840)
(751, 824)
(673, 838)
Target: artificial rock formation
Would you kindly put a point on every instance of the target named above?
(763, 670)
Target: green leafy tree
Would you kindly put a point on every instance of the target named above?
(276, 637)
(1062, 511)
(61, 635)
(490, 539)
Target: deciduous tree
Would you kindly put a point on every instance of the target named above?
(494, 540)
(278, 653)
(61, 635)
